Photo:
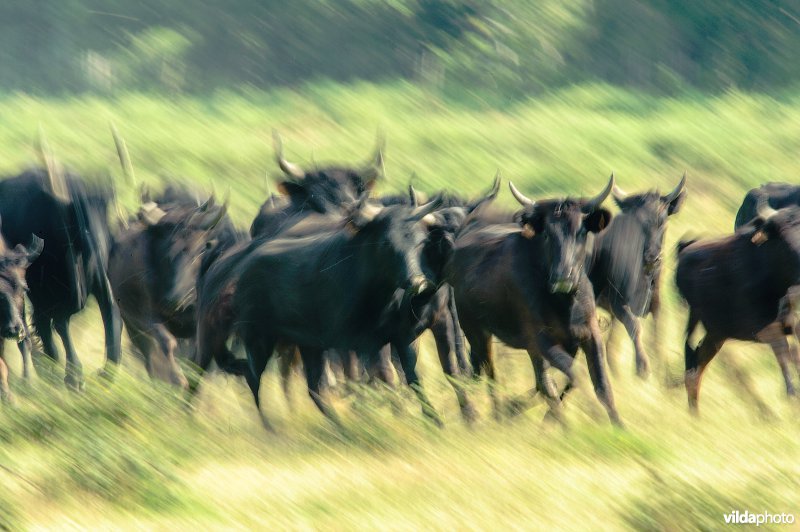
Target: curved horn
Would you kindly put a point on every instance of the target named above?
(490, 196)
(374, 167)
(412, 196)
(124, 156)
(592, 204)
(763, 208)
(520, 197)
(423, 210)
(56, 183)
(290, 169)
(618, 193)
(672, 196)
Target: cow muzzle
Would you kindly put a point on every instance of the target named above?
(563, 286)
(14, 332)
(419, 286)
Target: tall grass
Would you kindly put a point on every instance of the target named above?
(134, 456)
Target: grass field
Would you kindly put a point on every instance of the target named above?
(132, 457)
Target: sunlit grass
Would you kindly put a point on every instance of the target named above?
(134, 456)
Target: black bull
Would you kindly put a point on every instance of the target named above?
(741, 287)
(527, 286)
(73, 263)
(344, 289)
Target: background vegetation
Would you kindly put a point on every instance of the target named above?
(554, 94)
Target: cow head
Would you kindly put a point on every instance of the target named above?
(331, 186)
(13, 264)
(447, 221)
(561, 226)
(397, 235)
(650, 212)
(179, 237)
(782, 225)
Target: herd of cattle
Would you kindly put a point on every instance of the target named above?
(328, 273)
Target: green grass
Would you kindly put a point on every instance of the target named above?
(133, 456)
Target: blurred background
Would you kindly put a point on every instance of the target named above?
(555, 94)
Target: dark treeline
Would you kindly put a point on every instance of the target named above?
(514, 47)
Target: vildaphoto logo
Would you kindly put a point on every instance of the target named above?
(735, 517)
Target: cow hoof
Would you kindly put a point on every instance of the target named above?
(7, 399)
(469, 414)
(107, 374)
(643, 370)
(75, 383)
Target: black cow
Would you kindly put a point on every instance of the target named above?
(778, 195)
(739, 287)
(625, 264)
(526, 285)
(72, 218)
(13, 325)
(154, 267)
(311, 202)
(342, 289)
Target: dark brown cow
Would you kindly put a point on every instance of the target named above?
(625, 264)
(526, 285)
(739, 287)
(13, 326)
(153, 268)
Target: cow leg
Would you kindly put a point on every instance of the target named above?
(379, 365)
(458, 334)
(288, 360)
(775, 337)
(696, 361)
(611, 345)
(408, 361)
(482, 359)
(314, 365)
(145, 344)
(112, 325)
(25, 348)
(443, 334)
(545, 349)
(634, 327)
(592, 345)
(259, 351)
(74, 373)
(5, 391)
(168, 345)
(44, 328)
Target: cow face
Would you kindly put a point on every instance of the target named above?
(398, 235)
(330, 187)
(781, 225)
(446, 222)
(179, 238)
(13, 264)
(650, 212)
(561, 227)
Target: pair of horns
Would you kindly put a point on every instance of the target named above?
(620, 194)
(587, 206)
(372, 170)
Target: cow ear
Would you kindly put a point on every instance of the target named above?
(26, 255)
(531, 221)
(676, 204)
(597, 220)
(293, 190)
(360, 214)
(764, 230)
